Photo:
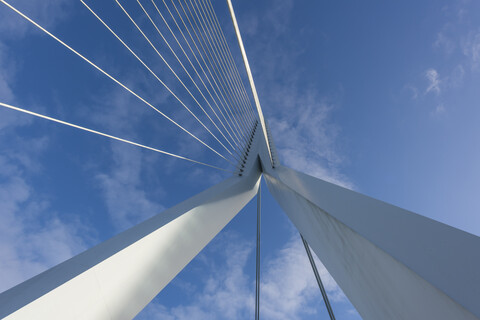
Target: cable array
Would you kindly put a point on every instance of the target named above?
(217, 98)
(65, 123)
(214, 84)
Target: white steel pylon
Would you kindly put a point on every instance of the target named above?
(391, 263)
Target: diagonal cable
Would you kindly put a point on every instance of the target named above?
(139, 29)
(183, 67)
(223, 102)
(215, 59)
(249, 111)
(216, 67)
(108, 136)
(214, 35)
(193, 66)
(223, 94)
(227, 63)
(210, 34)
(244, 91)
(109, 76)
(319, 280)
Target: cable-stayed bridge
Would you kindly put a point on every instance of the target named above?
(391, 263)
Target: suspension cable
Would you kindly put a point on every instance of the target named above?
(225, 67)
(188, 74)
(214, 59)
(151, 44)
(108, 136)
(209, 58)
(239, 80)
(110, 76)
(223, 102)
(226, 62)
(218, 59)
(319, 280)
(182, 65)
(193, 66)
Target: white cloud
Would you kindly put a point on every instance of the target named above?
(47, 12)
(456, 77)
(439, 110)
(127, 201)
(288, 288)
(433, 81)
(444, 43)
(123, 185)
(226, 292)
(309, 145)
(298, 114)
(413, 91)
(33, 237)
(471, 49)
(6, 93)
(306, 140)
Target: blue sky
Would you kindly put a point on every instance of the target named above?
(378, 97)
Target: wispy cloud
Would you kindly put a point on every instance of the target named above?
(33, 236)
(288, 287)
(6, 74)
(458, 39)
(444, 43)
(48, 12)
(455, 79)
(433, 81)
(225, 292)
(413, 91)
(471, 49)
(299, 115)
(122, 182)
(307, 140)
(127, 201)
(439, 110)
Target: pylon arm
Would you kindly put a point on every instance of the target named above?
(391, 263)
(119, 277)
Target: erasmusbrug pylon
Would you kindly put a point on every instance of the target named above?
(391, 263)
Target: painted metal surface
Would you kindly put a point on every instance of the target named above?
(319, 280)
(250, 77)
(257, 264)
(119, 277)
(390, 262)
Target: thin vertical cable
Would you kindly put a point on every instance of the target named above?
(257, 278)
(319, 281)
